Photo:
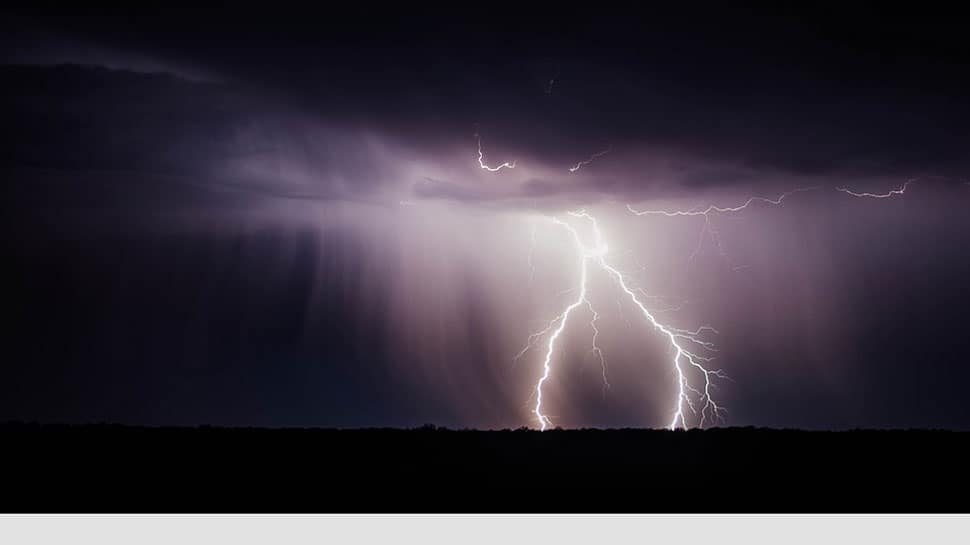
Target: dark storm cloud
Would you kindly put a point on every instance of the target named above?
(24, 42)
(202, 140)
(765, 92)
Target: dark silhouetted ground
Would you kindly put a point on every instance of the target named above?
(129, 469)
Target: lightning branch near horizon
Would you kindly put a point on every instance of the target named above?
(595, 349)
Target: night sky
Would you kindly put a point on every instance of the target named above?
(277, 217)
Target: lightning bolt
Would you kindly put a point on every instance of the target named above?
(679, 339)
(481, 159)
(595, 350)
(561, 320)
(899, 191)
(692, 351)
(581, 164)
(685, 343)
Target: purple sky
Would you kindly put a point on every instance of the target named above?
(277, 222)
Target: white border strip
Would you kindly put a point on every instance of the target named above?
(482, 529)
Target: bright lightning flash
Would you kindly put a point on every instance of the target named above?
(685, 343)
(481, 159)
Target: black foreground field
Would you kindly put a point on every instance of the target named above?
(128, 469)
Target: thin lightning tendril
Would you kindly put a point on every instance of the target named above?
(662, 300)
(595, 350)
(481, 159)
(592, 157)
(899, 191)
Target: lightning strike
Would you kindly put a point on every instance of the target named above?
(679, 340)
(689, 345)
(481, 159)
(592, 157)
(692, 351)
(595, 350)
(544, 421)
